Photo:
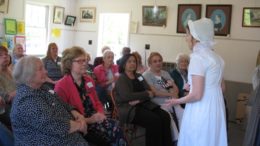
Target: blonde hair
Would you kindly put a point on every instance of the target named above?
(152, 55)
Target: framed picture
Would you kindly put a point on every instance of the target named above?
(70, 20)
(251, 17)
(10, 26)
(154, 18)
(4, 6)
(9, 42)
(88, 14)
(58, 15)
(221, 17)
(187, 12)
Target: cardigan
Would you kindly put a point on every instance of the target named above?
(68, 92)
(101, 74)
(124, 93)
(175, 74)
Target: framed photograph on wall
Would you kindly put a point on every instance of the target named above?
(58, 15)
(251, 17)
(187, 12)
(88, 14)
(154, 18)
(70, 20)
(4, 4)
(10, 26)
(221, 17)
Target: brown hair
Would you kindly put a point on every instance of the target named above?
(67, 58)
(49, 50)
(152, 55)
(138, 57)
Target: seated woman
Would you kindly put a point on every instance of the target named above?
(89, 67)
(18, 53)
(38, 116)
(52, 64)
(164, 87)
(140, 67)
(106, 74)
(180, 75)
(78, 90)
(7, 86)
(133, 97)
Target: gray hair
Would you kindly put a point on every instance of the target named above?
(25, 69)
(182, 56)
(108, 52)
(256, 77)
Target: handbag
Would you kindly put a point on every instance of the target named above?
(148, 104)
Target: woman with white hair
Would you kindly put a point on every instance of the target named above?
(204, 122)
(38, 116)
(180, 74)
(18, 53)
(106, 75)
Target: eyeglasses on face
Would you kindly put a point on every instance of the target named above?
(80, 61)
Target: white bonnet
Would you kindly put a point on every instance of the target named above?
(202, 30)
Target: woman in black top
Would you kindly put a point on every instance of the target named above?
(133, 96)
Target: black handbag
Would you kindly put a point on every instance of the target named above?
(148, 104)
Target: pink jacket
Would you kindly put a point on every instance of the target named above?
(68, 92)
(101, 74)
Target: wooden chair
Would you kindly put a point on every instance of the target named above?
(130, 130)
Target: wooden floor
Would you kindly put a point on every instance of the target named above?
(235, 136)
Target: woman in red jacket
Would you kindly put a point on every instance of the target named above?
(106, 75)
(78, 90)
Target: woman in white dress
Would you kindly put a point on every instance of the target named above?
(203, 122)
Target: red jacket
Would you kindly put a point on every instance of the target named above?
(101, 74)
(68, 92)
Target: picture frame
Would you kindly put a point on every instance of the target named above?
(58, 14)
(251, 17)
(221, 17)
(151, 18)
(4, 4)
(88, 14)
(187, 12)
(10, 26)
(70, 20)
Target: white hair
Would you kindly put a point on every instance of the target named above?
(107, 52)
(25, 69)
(182, 56)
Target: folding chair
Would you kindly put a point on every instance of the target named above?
(130, 130)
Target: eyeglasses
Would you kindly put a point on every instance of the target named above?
(80, 61)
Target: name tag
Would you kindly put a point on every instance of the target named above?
(89, 84)
(140, 78)
(51, 91)
(59, 63)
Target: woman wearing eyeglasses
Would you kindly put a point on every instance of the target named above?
(78, 89)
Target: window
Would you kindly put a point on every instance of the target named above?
(36, 23)
(113, 32)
